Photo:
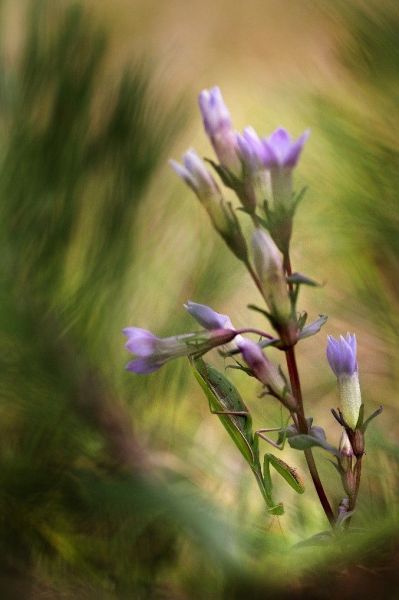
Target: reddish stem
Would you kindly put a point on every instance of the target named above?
(302, 423)
(303, 428)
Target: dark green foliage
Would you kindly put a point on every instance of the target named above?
(76, 495)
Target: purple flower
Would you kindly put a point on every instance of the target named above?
(194, 172)
(218, 126)
(153, 352)
(215, 113)
(341, 354)
(269, 268)
(251, 150)
(263, 369)
(208, 318)
(281, 151)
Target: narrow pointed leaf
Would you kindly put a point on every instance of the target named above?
(300, 279)
(359, 424)
(304, 441)
(302, 320)
(371, 417)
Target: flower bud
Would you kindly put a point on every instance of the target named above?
(153, 352)
(196, 175)
(218, 126)
(265, 370)
(269, 268)
(207, 317)
(281, 155)
(256, 179)
(194, 172)
(341, 355)
(345, 447)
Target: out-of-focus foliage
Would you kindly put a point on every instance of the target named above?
(363, 128)
(87, 510)
(80, 508)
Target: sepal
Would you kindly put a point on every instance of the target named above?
(300, 279)
(313, 328)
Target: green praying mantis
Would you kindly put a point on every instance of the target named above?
(226, 402)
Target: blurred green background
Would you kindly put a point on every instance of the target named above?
(119, 486)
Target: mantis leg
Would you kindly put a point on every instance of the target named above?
(260, 433)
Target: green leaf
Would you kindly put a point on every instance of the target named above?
(288, 473)
(223, 396)
(260, 310)
(300, 279)
(371, 417)
(298, 198)
(302, 320)
(360, 418)
(304, 441)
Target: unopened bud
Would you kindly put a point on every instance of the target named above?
(265, 370)
(269, 268)
(194, 172)
(218, 126)
(345, 447)
(341, 355)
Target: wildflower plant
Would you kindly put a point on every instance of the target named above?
(260, 172)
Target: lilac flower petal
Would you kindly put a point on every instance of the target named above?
(143, 366)
(251, 353)
(196, 175)
(280, 150)
(251, 149)
(294, 152)
(182, 172)
(341, 355)
(140, 341)
(351, 339)
(207, 317)
(215, 114)
(280, 140)
(270, 157)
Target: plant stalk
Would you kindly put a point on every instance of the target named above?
(303, 428)
(302, 423)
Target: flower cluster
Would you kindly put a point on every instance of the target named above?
(259, 170)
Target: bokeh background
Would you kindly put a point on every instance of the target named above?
(119, 486)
